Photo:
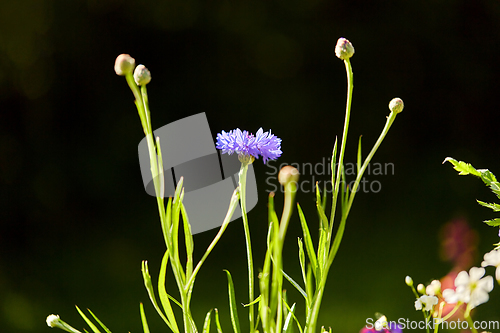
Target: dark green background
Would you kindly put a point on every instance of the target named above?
(75, 221)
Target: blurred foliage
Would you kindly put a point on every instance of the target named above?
(75, 221)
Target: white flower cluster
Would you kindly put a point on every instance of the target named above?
(470, 288)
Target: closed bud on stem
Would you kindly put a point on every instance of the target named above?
(124, 64)
(288, 174)
(55, 321)
(421, 288)
(409, 281)
(344, 49)
(396, 105)
(142, 76)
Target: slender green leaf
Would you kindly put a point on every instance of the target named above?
(287, 328)
(309, 287)
(206, 323)
(302, 259)
(188, 235)
(145, 326)
(255, 301)
(308, 241)
(149, 287)
(321, 212)
(334, 162)
(87, 320)
(217, 322)
(164, 296)
(493, 223)
(100, 322)
(292, 312)
(232, 304)
(358, 162)
(295, 284)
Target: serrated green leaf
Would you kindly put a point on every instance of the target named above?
(493, 223)
(206, 323)
(232, 303)
(495, 207)
(87, 320)
(462, 167)
(145, 326)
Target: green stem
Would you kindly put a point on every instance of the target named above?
(350, 88)
(312, 317)
(225, 223)
(471, 325)
(242, 180)
(290, 190)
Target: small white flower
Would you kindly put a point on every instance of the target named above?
(471, 288)
(427, 301)
(52, 320)
(433, 288)
(492, 258)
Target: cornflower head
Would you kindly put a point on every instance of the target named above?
(249, 146)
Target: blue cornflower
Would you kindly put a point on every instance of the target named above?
(246, 144)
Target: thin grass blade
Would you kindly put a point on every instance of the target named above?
(100, 322)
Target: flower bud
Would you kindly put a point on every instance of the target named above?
(421, 288)
(124, 64)
(344, 49)
(288, 174)
(396, 105)
(53, 320)
(409, 281)
(142, 76)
